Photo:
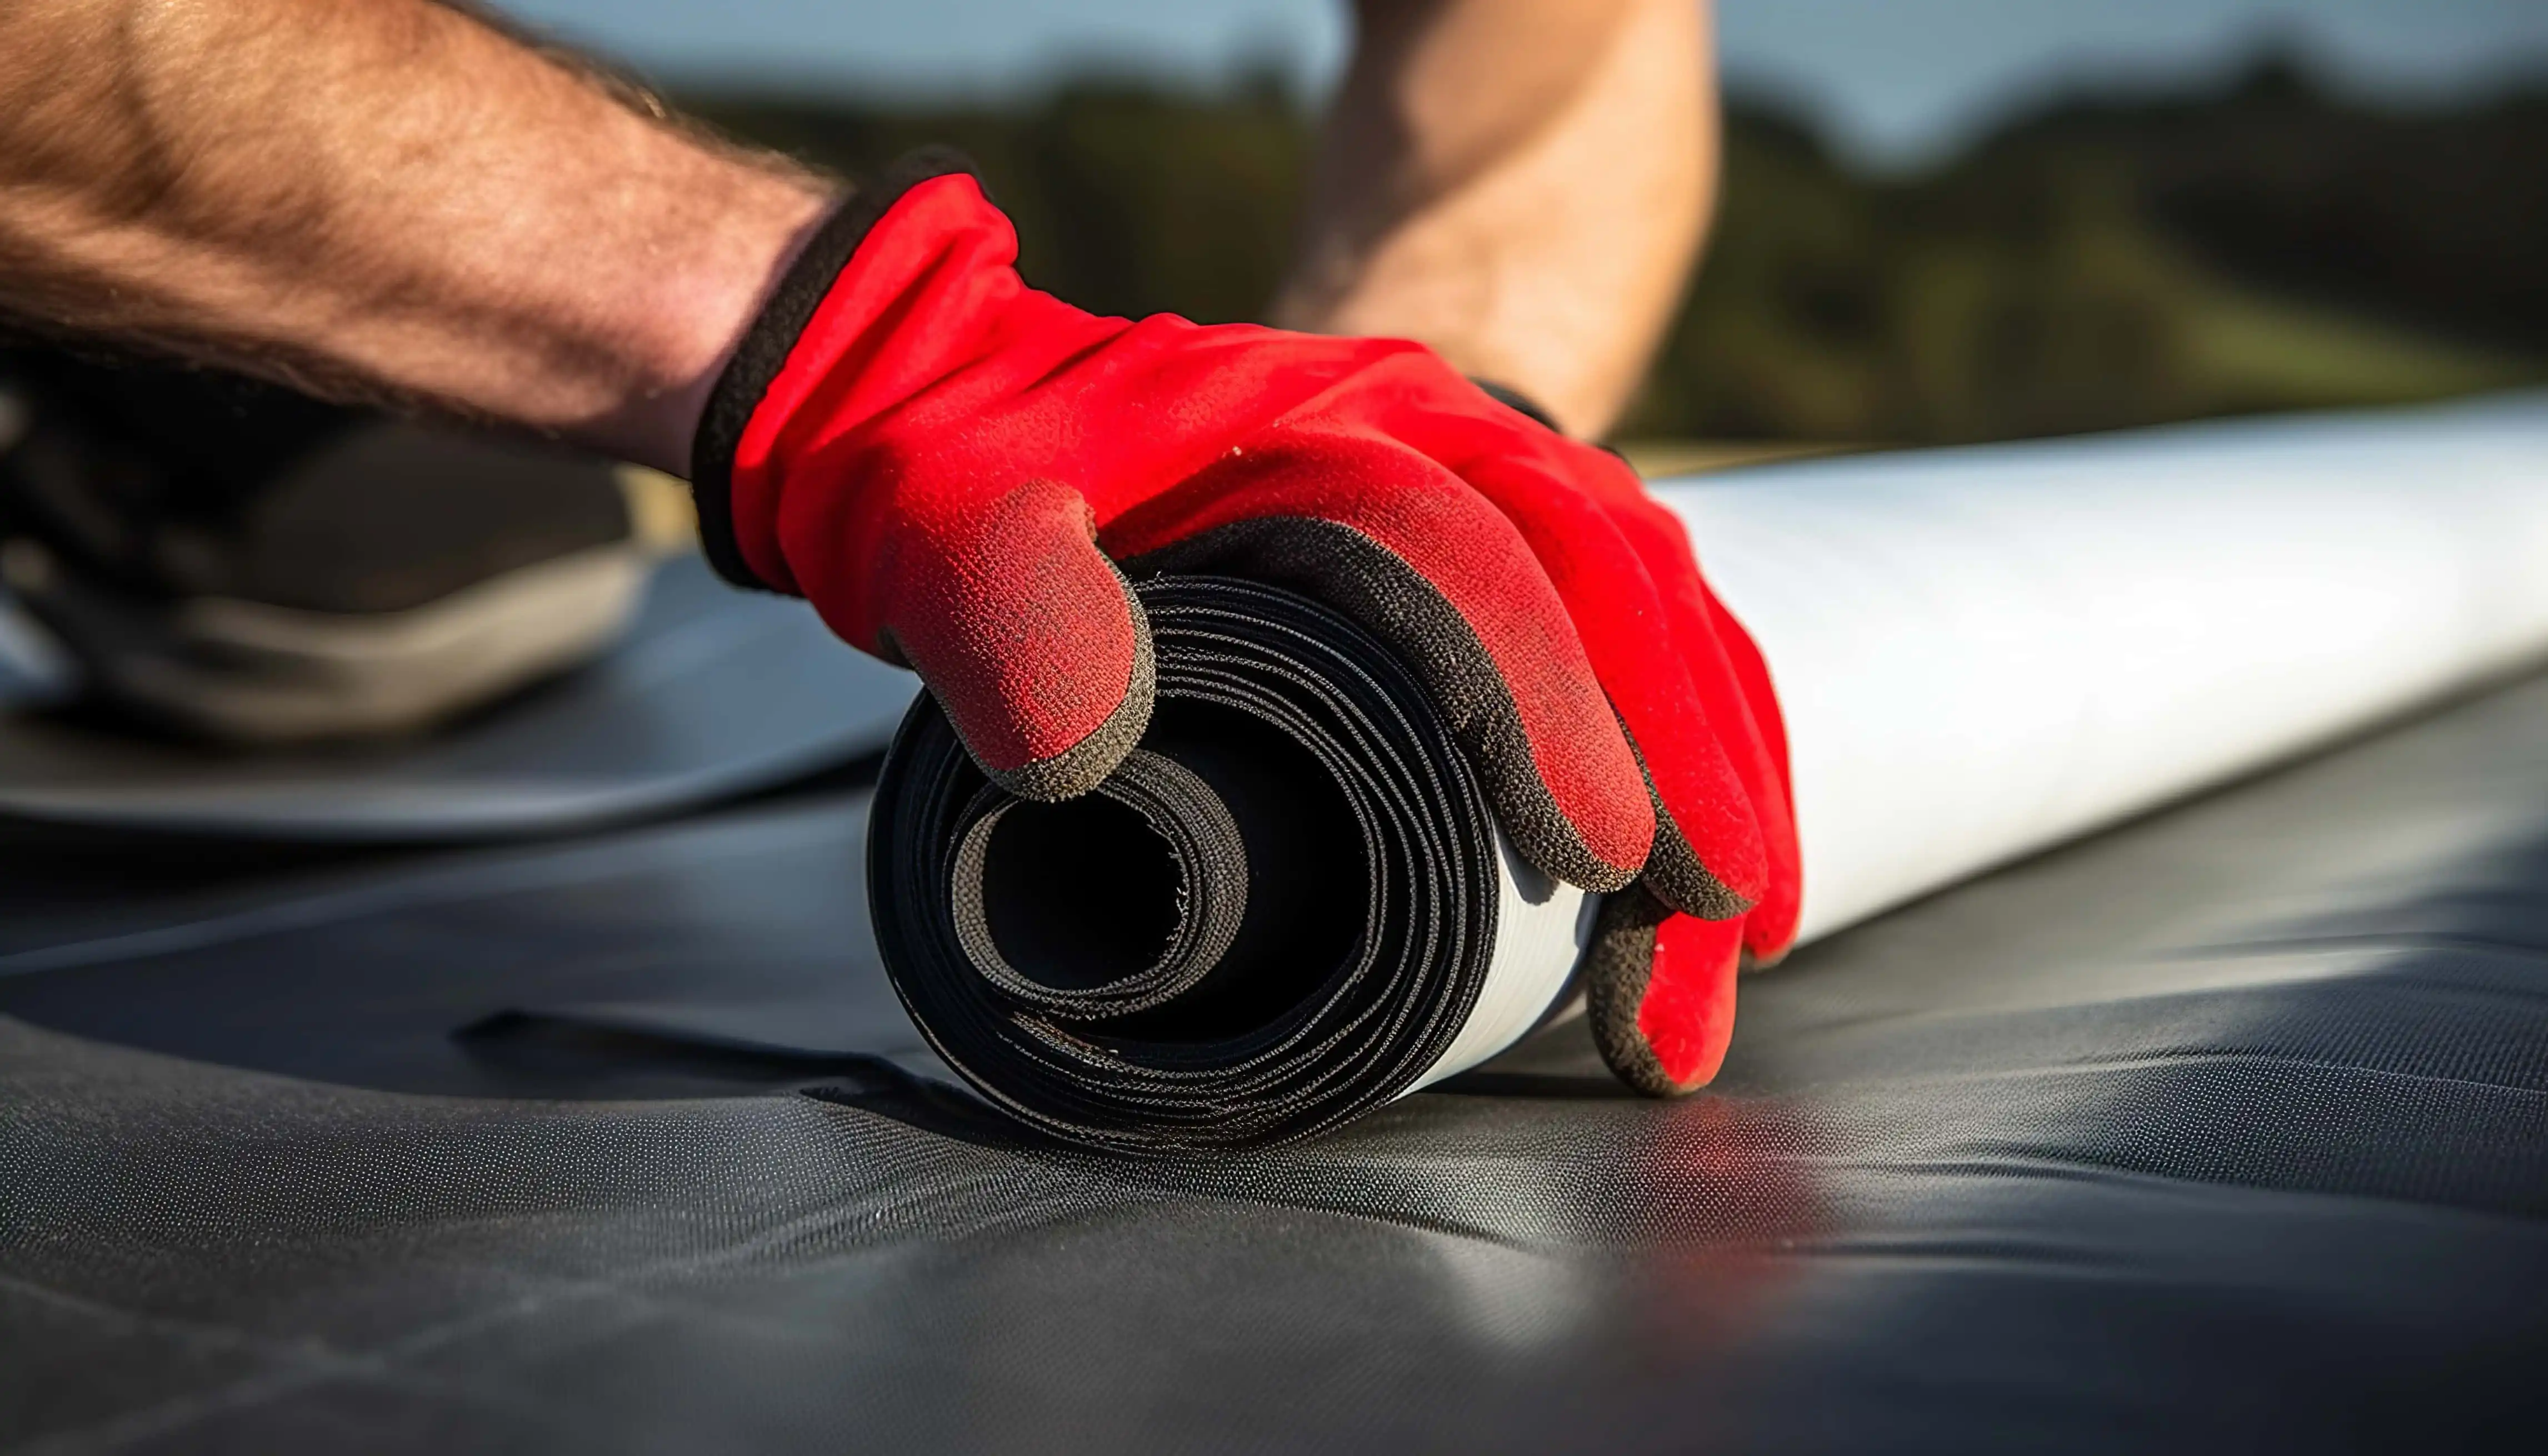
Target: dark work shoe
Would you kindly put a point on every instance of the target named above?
(243, 562)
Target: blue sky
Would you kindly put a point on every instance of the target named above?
(1892, 80)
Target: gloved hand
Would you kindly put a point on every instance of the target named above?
(949, 465)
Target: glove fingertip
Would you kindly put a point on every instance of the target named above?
(1659, 993)
(1727, 882)
(1682, 879)
(1770, 930)
(1028, 635)
(1084, 764)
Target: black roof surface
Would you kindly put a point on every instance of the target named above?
(2225, 1130)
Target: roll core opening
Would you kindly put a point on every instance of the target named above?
(1101, 905)
(1081, 894)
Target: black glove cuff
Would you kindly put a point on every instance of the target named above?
(772, 336)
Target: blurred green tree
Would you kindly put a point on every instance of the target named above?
(2103, 262)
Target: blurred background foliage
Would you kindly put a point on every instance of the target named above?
(2099, 262)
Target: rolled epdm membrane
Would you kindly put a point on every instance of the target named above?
(1979, 653)
(1290, 905)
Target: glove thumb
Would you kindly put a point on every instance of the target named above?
(1028, 635)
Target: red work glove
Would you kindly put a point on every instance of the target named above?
(949, 465)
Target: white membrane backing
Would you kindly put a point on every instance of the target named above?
(1982, 652)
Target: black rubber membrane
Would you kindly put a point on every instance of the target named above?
(714, 692)
(2225, 1130)
(1274, 917)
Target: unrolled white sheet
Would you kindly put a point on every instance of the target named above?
(1982, 652)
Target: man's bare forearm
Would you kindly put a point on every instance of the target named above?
(386, 199)
(1521, 184)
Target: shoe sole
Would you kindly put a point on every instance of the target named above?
(246, 673)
